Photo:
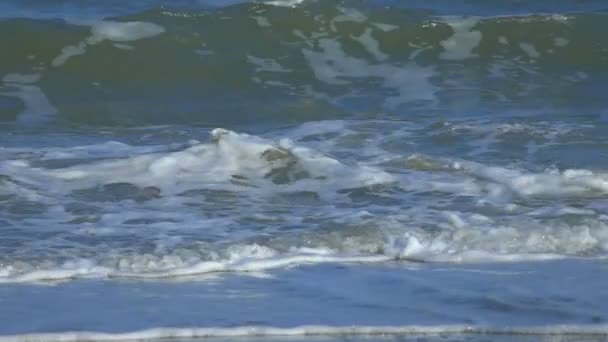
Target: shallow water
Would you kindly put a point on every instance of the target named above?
(341, 170)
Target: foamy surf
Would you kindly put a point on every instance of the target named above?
(401, 169)
(229, 160)
(253, 259)
(87, 269)
(313, 330)
(246, 203)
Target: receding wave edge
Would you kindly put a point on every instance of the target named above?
(309, 330)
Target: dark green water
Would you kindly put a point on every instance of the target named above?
(442, 166)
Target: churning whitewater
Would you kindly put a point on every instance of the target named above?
(111, 189)
(262, 169)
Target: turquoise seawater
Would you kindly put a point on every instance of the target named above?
(303, 170)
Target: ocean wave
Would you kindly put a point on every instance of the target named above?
(243, 203)
(230, 160)
(328, 59)
(459, 241)
(315, 330)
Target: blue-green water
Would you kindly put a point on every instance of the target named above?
(218, 169)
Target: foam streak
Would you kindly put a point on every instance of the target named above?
(309, 330)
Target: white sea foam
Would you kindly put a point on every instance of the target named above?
(309, 129)
(259, 165)
(371, 45)
(385, 27)
(114, 31)
(550, 183)
(284, 3)
(560, 42)
(108, 149)
(239, 259)
(348, 15)
(266, 64)
(68, 52)
(311, 330)
(262, 21)
(124, 31)
(333, 66)
(461, 44)
(123, 46)
(530, 50)
(143, 192)
(459, 238)
(502, 183)
(21, 78)
(483, 136)
(38, 108)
